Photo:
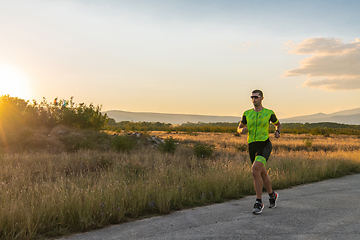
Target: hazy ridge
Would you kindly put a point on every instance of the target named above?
(351, 116)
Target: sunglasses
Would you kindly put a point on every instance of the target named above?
(254, 97)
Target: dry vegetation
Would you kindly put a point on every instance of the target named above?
(59, 189)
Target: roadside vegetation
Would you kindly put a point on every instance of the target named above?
(61, 179)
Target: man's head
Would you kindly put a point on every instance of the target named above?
(256, 97)
(259, 92)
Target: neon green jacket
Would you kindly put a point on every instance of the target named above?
(258, 124)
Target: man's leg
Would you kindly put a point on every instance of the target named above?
(266, 180)
(266, 154)
(260, 177)
(258, 185)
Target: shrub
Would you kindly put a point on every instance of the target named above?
(74, 140)
(203, 150)
(123, 143)
(308, 142)
(169, 146)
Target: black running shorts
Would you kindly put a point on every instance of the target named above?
(260, 149)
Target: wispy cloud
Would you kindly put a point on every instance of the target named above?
(245, 46)
(337, 63)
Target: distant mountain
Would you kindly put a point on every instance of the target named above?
(347, 117)
(119, 116)
(346, 112)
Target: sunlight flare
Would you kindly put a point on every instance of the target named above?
(13, 82)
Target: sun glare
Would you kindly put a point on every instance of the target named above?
(13, 82)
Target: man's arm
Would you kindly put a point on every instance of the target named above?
(242, 126)
(278, 129)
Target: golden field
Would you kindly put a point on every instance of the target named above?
(45, 193)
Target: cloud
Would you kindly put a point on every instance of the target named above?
(245, 46)
(334, 84)
(336, 62)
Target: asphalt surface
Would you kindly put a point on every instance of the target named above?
(323, 210)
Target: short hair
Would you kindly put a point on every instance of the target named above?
(259, 92)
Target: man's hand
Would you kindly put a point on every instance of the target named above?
(278, 129)
(277, 134)
(244, 130)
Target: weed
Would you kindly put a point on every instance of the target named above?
(169, 145)
(308, 142)
(145, 134)
(203, 150)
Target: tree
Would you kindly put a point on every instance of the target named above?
(16, 112)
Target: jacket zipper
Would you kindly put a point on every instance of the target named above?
(256, 124)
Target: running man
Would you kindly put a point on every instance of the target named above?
(256, 122)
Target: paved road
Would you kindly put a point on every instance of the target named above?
(324, 210)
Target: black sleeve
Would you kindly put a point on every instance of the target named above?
(273, 118)
(243, 120)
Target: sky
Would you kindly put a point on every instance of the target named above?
(187, 57)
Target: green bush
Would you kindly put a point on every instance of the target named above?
(308, 142)
(123, 143)
(203, 150)
(85, 139)
(169, 146)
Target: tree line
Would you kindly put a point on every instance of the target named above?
(16, 112)
(324, 128)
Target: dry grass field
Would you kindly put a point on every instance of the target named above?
(47, 193)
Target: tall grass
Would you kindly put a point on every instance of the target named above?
(44, 194)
